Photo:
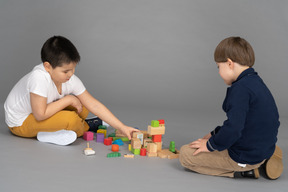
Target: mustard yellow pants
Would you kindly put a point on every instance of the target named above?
(67, 119)
(217, 163)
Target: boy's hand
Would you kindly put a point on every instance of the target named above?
(75, 102)
(199, 145)
(128, 131)
(207, 136)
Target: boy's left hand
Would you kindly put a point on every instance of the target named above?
(199, 145)
(128, 131)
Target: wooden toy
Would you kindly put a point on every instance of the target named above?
(136, 143)
(146, 141)
(159, 146)
(165, 153)
(88, 136)
(143, 152)
(156, 130)
(88, 151)
(151, 148)
(138, 135)
(135, 151)
(154, 123)
(156, 138)
(129, 155)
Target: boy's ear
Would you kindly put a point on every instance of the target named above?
(230, 63)
(47, 66)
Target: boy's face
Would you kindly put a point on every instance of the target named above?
(226, 72)
(61, 74)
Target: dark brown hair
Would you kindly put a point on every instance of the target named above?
(237, 49)
(58, 50)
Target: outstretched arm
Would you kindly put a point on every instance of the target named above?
(98, 109)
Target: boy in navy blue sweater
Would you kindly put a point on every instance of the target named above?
(247, 139)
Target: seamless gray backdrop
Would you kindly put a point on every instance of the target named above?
(152, 53)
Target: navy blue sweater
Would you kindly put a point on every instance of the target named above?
(250, 131)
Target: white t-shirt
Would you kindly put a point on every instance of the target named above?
(17, 105)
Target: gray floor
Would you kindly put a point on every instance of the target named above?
(29, 165)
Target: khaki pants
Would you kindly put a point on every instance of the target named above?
(217, 163)
(67, 119)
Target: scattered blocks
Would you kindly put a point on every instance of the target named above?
(88, 136)
(114, 154)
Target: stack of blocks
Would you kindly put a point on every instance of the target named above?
(140, 139)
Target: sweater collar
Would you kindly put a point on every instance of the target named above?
(247, 72)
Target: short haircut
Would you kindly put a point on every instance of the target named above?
(237, 49)
(58, 50)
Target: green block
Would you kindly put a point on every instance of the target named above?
(102, 127)
(172, 146)
(135, 151)
(122, 138)
(154, 123)
(114, 154)
(112, 135)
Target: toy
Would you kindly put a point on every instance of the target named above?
(156, 138)
(88, 150)
(108, 141)
(135, 143)
(88, 136)
(165, 153)
(115, 148)
(135, 151)
(143, 152)
(172, 146)
(114, 154)
(129, 155)
(138, 135)
(102, 127)
(104, 131)
(100, 137)
(118, 142)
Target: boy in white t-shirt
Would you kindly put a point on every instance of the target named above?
(51, 102)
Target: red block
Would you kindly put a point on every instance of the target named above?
(88, 136)
(143, 152)
(156, 138)
(161, 121)
(108, 141)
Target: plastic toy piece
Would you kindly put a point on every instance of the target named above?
(114, 154)
(88, 136)
(161, 122)
(129, 155)
(102, 127)
(118, 142)
(172, 146)
(143, 152)
(115, 148)
(112, 135)
(135, 151)
(122, 138)
(154, 123)
(88, 150)
(156, 138)
(104, 131)
(129, 147)
(100, 137)
(108, 141)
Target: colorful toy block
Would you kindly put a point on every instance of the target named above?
(161, 122)
(118, 142)
(156, 138)
(108, 141)
(154, 123)
(88, 136)
(129, 147)
(114, 154)
(102, 127)
(99, 137)
(115, 148)
(143, 152)
(135, 143)
(104, 131)
(122, 138)
(172, 146)
(146, 141)
(135, 151)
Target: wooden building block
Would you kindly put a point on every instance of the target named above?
(159, 146)
(156, 138)
(136, 143)
(165, 153)
(88, 136)
(152, 148)
(151, 154)
(138, 135)
(129, 155)
(145, 134)
(154, 123)
(156, 130)
(146, 141)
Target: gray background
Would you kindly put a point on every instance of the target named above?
(144, 60)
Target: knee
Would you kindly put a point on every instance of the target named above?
(186, 155)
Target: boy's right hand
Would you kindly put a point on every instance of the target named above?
(75, 102)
